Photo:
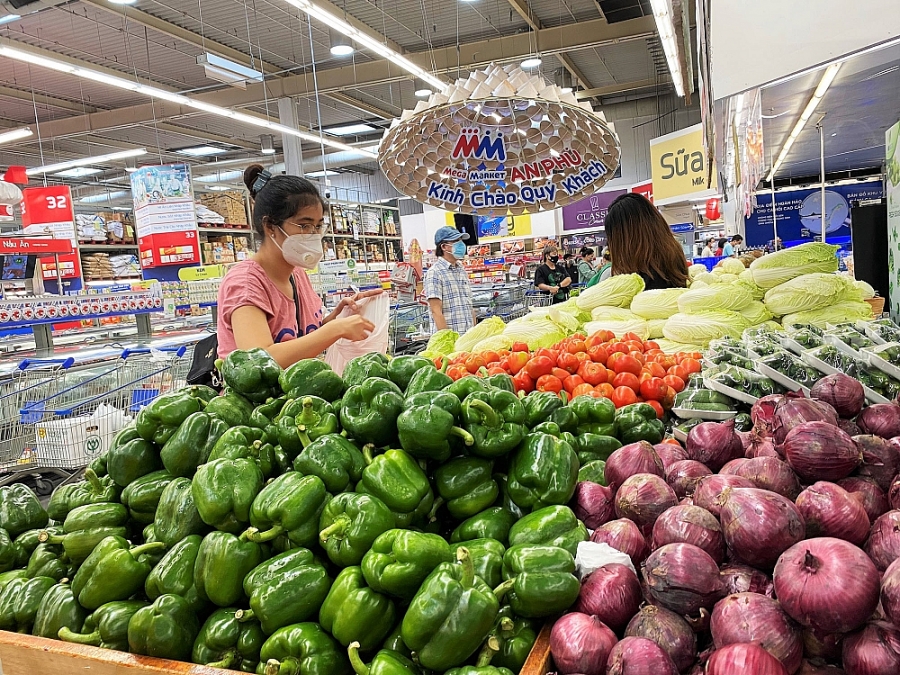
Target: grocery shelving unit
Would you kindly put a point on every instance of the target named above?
(368, 233)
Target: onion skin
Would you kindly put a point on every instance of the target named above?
(682, 476)
(890, 592)
(810, 668)
(593, 504)
(883, 545)
(894, 495)
(830, 511)
(683, 578)
(639, 656)
(812, 583)
(792, 411)
(817, 645)
(849, 427)
(669, 453)
(708, 493)
(842, 392)
(669, 631)
(760, 525)
(630, 460)
(875, 650)
(690, 525)
(881, 419)
(767, 473)
(763, 413)
(581, 644)
(612, 594)
(743, 659)
(869, 495)
(820, 451)
(623, 535)
(714, 444)
(740, 578)
(761, 446)
(750, 617)
(880, 460)
(643, 497)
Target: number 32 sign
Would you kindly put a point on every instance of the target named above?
(48, 210)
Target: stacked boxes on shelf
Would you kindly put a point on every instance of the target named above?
(106, 227)
(230, 205)
(225, 249)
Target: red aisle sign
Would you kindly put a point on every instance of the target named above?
(645, 189)
(48, 210)
(38, 247)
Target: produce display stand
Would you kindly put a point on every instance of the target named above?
(538, 661)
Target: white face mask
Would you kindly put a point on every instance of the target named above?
(301, 250)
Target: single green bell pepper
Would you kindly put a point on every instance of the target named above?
(231, 408)
(496, 419)
(245, 442)
(385, 662)
(501, 381)
(425, 432)
(353, 612)
(369, 411)
(543, 471)
(487, 557)
(132, 460)
(191, 444)
(113, 571)
(595, 415)
(158, 421)
(20, 510)
(466, 486)
(349, 524)
(286, 589)
(492, 523)
(87, 526)
(222, 563)
(549, 428)
(638, 422)
(166, 629)
(12, 554)
(363, 367)
(539, 581)
(400, 370)
(594, 471)
(230, 639)
(302, 421)
(398, 480)
(429, 379)
(224, 490)
(19, 602)
(290, 505)
(517, 637)
(539, 405)
(442, 399)
(58, 609)
(302, 649)
(505, 500)
(590, 447)
(106, 627)
(566, 419)
(312, 377)
(450, 615)
(6, 578)
(99, 464)
(400, 560)
(174, 574)
(202, 392)
(92, 490)
(334, 459)
(394, 641)
(464, 386)
(142, 495)
(263, 417)
(176, 515)
(49, 560)
(550, 526)
(252, 373)
(26, 542)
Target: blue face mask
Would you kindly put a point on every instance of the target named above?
(459, 249)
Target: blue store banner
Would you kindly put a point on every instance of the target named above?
(799, 214)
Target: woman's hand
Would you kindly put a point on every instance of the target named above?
(350, 303)
(353, 328)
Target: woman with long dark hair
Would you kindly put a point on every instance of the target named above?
(641, 242)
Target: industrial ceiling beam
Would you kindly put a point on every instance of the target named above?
(619, 88)
(363, 106)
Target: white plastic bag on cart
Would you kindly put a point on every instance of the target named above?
(377, 310)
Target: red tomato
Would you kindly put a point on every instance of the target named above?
(549, 383)
(669, 399)
(516, 361)
(675, 382)
(645, 375)
(576, 346)
(610, 375)
(496, 370)
(655, 369)
(584, 390)
(560, 373)
(629, 380)
(605, 390)
(672, 441)
(634, 346)
(568, 362)
(552, 353)
(600, 337)
(474, 362)
(598, 354)
(623, 396)
(627, 364)
(490, 357)
(592, 373)
(657, 407)
(539, 365)
(678, 371)
(654, 389)
(457, 371)
(523, 382)
(613, 357)
(617, 347)
(519, 347)
(691, 366)
(631, 336)
(571, 382)
(650, 345)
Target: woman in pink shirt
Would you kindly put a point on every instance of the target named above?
(256, 297)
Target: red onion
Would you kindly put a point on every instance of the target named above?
(669, 631)
(881, 419)
(643, 497)
(639, 656)
(880, 460)
(849, 427)
(763, 413)
(820, 451)
(869, 495)
(630, 460)
(714, 443)
(581, 644)
(683, 578)
(683, 475)
(792, 411)
(767, 473)
(623, 535)
(729, 467)
(875, 650)
(669, 453)
(883, 546)
(611, 593)
(894, 494)
(709, 489)
(759, 525)
(830, 511)
(761, 446)
(690, 525)
(818, 668)
(827, 584)
(841, 392)
(593, 504)
(743, 659)
(750, 617)
(740, 578)
(819, 645)
(890, 592)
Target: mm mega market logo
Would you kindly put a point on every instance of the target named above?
(472, 143)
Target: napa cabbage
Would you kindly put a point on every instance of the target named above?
(714, 298)
(617, 291)
(837, 313)
(703, 327)
(809, 292)
(776, 268)
(732, 266)
(756, 312)
(441, 343)
(481, 331)
(535, 334)
(658, 304)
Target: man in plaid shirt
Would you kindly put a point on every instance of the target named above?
(447, 284)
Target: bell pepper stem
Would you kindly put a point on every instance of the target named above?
(338, 527)
(507, 626)
(307, 416)
(146, 548)
(91, 477)
(564, 396)
(491, 647)
(491, 418)
(290, 666)
(367, 452)
(445, 363)
(243, 615)
(359, 667)
(466, 437)
(46, 538)
(67, 635)
(230, 659)
(254, 535)
(482, 372)
(504, 588)
(468, 567)
(305, 440)
(432, 515)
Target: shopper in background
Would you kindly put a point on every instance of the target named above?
(551, 277)
(447, 283)
(708, 249)
(571, 266)
(260, 300)
(586, 265)
(720, 247)
(641, 242)
(731, 247)
(603, 272)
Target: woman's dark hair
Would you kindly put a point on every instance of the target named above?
(641, 243)
(279, 199)
(722, 243)
(586, 250)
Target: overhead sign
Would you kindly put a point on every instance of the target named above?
(48, 211)
(165, 215)
(38, 247)
(589, 213)
(645, 189)
(678, 166)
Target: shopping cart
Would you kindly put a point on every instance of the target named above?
(506, 300)
(408, 327)
(534, 298)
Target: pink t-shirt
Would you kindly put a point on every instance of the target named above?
(247, 284)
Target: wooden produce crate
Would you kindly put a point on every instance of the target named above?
(539, 661)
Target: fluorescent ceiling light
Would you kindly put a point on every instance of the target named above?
(202, 150)
(15, 135)
(342, 50)
(227, 71)
(219, 188)
(85, 161)
(532, 62)
(103, 197)
(321, 174)
(219, 176)
(180, 99)
(351, 130)
(9, 18)
(266, 144)
(827, 78)
(666, 30)
(78, 172)
(423, 93)
(122, 2)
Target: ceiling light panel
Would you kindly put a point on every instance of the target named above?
(352, 130)
(85, 161)
(78, 172)
(666, 30)
(15, 135)
(202, 151)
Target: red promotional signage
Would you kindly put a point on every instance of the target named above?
(165, 215)
(38, 247)
(645, 189)
(48, 211)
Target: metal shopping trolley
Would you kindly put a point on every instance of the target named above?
(408, 327)
(535, 298)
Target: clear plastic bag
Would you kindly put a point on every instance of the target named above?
(377, 310)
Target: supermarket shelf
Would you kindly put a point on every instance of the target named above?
(340, 235)
(225, 230)
(108, 247)
(199, 304)
(80, 317)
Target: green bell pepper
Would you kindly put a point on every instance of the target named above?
(20, 600)
(539, 580)
(429, 379)
(385, 662)
(400, 370)
(334, 459)
(133, 459)
(302, 649)
(369, 411)
(312, 377)
(349, 524)
(107, 626)
(505, 500)
(224, 490)
(442, 399)
(252, 373)
(487, 557)
(113, 571)
(492, 523)
(174, 574)
(12, 554)
(6, 578)
(501, 381)
(99, 464)
(539, 405)
(87, 526)
(92, 490)
(158, 421)
(398, 480)
(289, 505)
(26, 542)
(543, 471)
(590, 447)
(142, 495)
(425, 432)
(58, 609)
(595, 416)
(450, 615)
(176, 515)
(638, 422)
(202, 392)
(191, 444)
(394, 641)
(231, 408)
(230, 639)
(594, 471)
(49, 560)
(166, 629)
(466, 486)
(363, 367)
(467, 385)
(223, 561)
(400, 560)
(550, 526)
(286, 589)
(302, 421)
(20, 510)
(517, 637)
(496, 419)
(566, 420)
(353, 612)
(549, 428)
(263, 417)
(245, 442)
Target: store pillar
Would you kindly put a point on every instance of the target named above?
(293, 156)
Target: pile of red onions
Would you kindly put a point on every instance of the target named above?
(766, 473)
(759, 525)
(714, 444)
(820, 451)
(669, 631)
(581, 644)
(830, 511)
(683, 578)
(630, 460)
(642, 498)
(593, 504)
(881, 419)
(623, 535)
(842, 392)
(690, 525)
(611, 593)
(792, 411)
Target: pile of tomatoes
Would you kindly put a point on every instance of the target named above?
(625, 370)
